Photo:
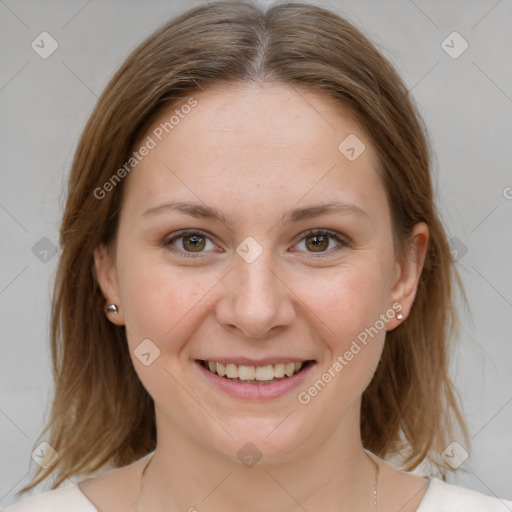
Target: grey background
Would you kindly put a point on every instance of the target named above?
(466, 103)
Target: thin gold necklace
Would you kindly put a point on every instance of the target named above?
(375, 492)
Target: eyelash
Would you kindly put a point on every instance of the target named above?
(343, 240)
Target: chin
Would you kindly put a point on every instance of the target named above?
(264, 441)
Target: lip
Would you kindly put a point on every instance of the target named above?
(244, 361)
(256, 392)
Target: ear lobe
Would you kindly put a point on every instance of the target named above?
(106, 277)
(408, 272)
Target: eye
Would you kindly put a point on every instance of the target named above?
(188, 242)
(317, 241)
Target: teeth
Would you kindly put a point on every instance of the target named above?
(279, 370)
(265, 372)
(289, 369)
(246, 373)
(231, 371)
(221, 369)
(252, 373)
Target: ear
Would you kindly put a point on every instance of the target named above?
(106, 276)
(408, 272)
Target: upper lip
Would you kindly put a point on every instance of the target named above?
(244, 361)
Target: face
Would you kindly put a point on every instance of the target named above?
(215, 264)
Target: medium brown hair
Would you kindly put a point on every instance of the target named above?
(101, 414)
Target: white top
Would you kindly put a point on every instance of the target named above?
(440, 497)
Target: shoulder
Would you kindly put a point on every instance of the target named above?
(108, 488)
(65, 498)
(444, 497)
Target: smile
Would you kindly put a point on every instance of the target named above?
(264, 381)
(254, 374)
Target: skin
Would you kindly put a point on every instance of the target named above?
(255, 152)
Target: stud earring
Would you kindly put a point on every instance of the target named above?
(399, 316)
(111, 308)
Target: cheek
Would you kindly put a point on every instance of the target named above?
(350, 306)
(353, 300)
(347, 300)
(162, 302)
(165, 305)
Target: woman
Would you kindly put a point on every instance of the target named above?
(253, 304)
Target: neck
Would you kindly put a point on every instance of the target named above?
(337, 474)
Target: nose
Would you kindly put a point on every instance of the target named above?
(255, 299)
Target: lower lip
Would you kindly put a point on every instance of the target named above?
(256, 391)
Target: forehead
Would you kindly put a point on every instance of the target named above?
(262, 141)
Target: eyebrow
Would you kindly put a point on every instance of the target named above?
(295, 215)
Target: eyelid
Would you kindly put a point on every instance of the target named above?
(321, 231)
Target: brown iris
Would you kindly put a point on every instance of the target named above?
(319, 241)
(193, 242)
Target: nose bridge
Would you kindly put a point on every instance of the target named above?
(256, 299)
(257, 283)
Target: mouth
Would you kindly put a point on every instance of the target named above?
(249, 374)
